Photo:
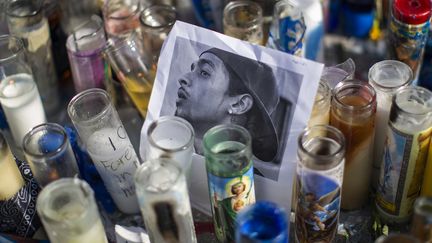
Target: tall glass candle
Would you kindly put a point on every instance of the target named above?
(171, 137)
(320, 170)
(321, 108)
(11, 180)
(386, 77)
(405, 153)
(85, 46)
(26, 20)
(69, 212)
(156, 23)
(262, 222)
(164, 202)
(227, 149)
(121, 17)
(421, 226)
(108, 144)
(244, 20)
(133, 67)
(48, 151)
(353, 111)
(19, 95)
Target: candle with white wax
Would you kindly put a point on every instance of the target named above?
(22, 104)
(10, 177)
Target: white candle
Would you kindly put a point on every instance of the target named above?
(116, 162)
(22, 105)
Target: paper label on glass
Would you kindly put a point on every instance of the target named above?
(402, 170)
(228, 196)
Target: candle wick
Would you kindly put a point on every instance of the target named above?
(112, 144)
(11, 82)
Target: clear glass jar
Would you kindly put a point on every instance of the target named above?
(69, 213)
(75, 13)
(27, 21)
(321, 108)
(353, 111)
(19, 95)
(156, 23)
(405, 153)
(108, 145)
(244, 20)
(320, 170)
(11, 180)
(164, 201)
(228, 154)
(386, 77)
(85, 51)
(48, 151)
(121, 17)
(421, 226)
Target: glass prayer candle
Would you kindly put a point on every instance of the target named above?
(288, 28)
(156, 23)
(69, 212)
(321, 108)
(427, 178)
(422, 221)
(11, 180)
(48, 151)
(408, 32)
(386, 77)
(321, 155)
(121, 17)
(405, 153)
(133, 67)
(19, 95)
(227, 150)
(262, 222)
(26, 20)
(164, 202)
(108, 145)
(244, 20)
(75, 13)
(85, 46)
(353, 111)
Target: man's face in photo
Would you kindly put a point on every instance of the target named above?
(203, 91)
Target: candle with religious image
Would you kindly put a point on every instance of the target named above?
(19, 95)
(69, 212)
(108, 144)
(228, 154)
(11, 180)
(27, 21)
(164, 201)
(85, 46)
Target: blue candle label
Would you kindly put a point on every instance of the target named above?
(318, 203)
(228, 196)
(402, 170)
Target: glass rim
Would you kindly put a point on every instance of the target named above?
(115, 44)
(240, 3)
(166, 8)
(336, 132)
(349, 84)
(281, 4)
(60, 185)
(244, 133)
(419, 203)
(71, 40)
(33, 87)
(164, 119)
(324, 85)
(84, 94)
(37, 10)
(410, 89)
(18, 41)
(45, 127)
(149, 167)
(132, 13)
(396, 63)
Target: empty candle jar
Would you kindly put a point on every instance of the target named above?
(85, 51)
(353, 113)
(171, 137)
(108, 145)
(164, 202)
(244, 20)
(19, 95)
(48, 151)
(69, 212)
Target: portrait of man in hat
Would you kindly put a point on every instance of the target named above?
(222, 88)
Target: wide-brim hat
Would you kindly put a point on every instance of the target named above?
(257, 78)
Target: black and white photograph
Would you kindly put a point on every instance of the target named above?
(210, 79)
